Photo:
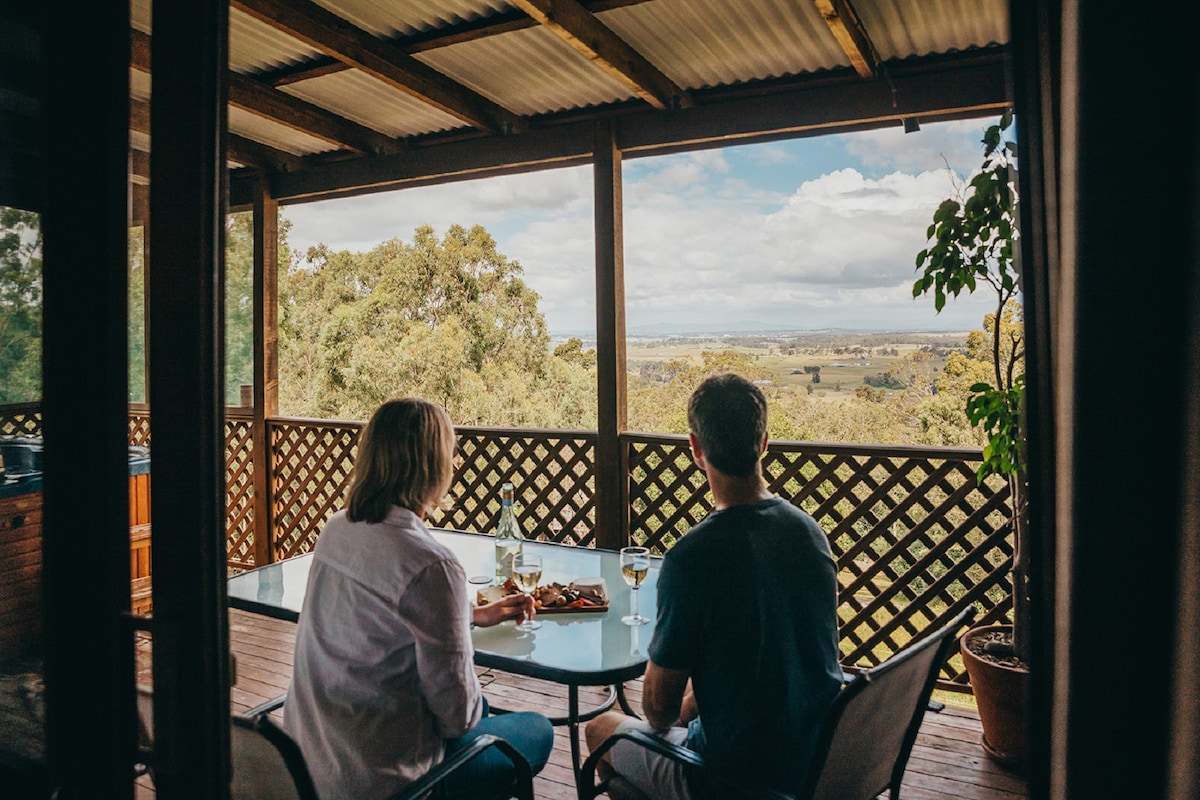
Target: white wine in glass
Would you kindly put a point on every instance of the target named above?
(635, 564)
(527, 573)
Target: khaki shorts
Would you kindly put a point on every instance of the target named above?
(642, 774)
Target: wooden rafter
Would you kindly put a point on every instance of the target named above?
(935, 88)
(256, 154)
(265, 101)
(338, 38)
(258, 98)
(434, 39)
(139, 166)
(139, 116)
(842, 19)
(580, 28)
(238, 148)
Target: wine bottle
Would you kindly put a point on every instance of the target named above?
(509, 540)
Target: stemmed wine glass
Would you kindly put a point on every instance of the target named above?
(527, 573)
(635, 563)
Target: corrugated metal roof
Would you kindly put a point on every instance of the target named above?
(702, 43)
(530, 72)
(139, 85)
(255, 46)
(274, 134)
(698, 44)
(371, 102)
(905, 28)
(389, 18)
(139, 15)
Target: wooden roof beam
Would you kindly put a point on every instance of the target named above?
(139, 166)
(434, 39)
(582, 30)
(263, 156)
(965, 85)
(238, 148)
(338, 38)
(843, 20)
(262, 100)
(258, 98)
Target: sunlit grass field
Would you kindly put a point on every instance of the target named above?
(840, 372)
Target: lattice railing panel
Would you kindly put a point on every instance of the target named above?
(239, 493)
(139, 425)
(915, 536)
(311, 462)
(21, 419)
(552, 474)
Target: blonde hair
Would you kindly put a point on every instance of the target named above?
(405, 458)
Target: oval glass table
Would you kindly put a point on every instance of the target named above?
(586, 648)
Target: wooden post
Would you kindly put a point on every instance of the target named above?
(187, 403)
(1128, 547)
(612, 484)
(266, 362)
(88, 658)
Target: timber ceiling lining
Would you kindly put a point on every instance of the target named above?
(316, 84)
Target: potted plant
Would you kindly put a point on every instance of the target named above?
(971, 244)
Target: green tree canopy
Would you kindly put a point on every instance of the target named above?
(449, 319)
(20, 306)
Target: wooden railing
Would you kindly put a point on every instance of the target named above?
(551, 470)
(21, 419)
(916, 537)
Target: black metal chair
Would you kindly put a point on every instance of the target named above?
(866, 736)
(268, 764)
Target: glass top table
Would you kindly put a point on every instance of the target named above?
(587, 648)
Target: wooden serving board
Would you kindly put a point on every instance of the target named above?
(568, 610)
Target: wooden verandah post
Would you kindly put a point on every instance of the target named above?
(186, 365)
(612, 486)
(266, 361)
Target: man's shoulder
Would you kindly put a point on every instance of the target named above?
(774, 511)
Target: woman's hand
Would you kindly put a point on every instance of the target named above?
(513, 606)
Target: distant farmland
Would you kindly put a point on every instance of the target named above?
(845, 358)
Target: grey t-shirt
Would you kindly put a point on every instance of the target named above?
(747, 603)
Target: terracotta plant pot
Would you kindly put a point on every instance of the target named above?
(1000, 693)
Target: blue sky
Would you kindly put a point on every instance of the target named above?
(805, 234)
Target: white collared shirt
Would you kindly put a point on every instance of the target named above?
(384, 668)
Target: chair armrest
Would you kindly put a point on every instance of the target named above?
(267, 707)
(524, 784)
(588, 788)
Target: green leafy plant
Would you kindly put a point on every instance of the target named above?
(972, 243)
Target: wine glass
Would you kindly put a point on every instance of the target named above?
(527, 573)
(635, 563)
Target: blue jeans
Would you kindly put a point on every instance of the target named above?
(487, 774)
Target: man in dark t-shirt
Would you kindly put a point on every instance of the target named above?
(744, 659)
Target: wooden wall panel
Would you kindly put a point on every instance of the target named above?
(20, 575)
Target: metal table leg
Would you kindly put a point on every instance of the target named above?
(624, 701)
(616, 693)
(573, 726)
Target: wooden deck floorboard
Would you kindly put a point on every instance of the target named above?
(947, 762)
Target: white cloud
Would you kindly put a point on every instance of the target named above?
(360, 223)
(935, 145)
(703, 243)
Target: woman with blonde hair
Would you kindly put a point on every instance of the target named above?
(384, 685)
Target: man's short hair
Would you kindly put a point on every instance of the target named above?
(728, 414)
